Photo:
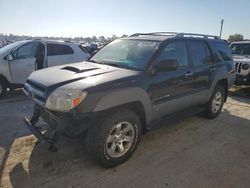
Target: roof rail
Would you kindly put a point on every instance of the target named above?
(197, 35)
(155, 33)
(175, 34)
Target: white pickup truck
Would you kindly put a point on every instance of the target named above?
(241, 57)
(18, 60)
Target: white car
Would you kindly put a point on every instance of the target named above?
(241, 57)
(18, 60)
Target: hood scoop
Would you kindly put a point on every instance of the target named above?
(76, 70)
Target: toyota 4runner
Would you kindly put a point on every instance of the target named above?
(128, 88)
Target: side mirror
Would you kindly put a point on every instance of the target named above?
(9, 57)
(167, 65)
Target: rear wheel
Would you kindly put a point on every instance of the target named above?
(3, 88)
(216, 102)
(114, 139)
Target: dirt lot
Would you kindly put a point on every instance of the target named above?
(194, 152)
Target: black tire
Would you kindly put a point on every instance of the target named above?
(210, 113)
(3, 88)
(98, 134)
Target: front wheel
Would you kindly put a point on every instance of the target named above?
(114, 139)
(216, 102)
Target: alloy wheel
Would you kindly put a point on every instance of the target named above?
(120, 139)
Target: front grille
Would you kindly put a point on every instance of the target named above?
(36, 91)
(238, 67)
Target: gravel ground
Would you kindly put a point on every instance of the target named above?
(193, 152)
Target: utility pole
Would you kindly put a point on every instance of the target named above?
(221, 26)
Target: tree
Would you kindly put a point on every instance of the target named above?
(94, 39)
(102, 39)
(124, 36)
(236, 37)
(114, 37)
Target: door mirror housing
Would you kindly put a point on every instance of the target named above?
(167, 65)
(9, 57)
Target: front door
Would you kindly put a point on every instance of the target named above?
(23, 63)
(172, 91)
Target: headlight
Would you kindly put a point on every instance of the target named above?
(245, 66)
(64, 100)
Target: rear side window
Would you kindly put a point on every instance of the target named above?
(58, 49)
(198, 52)
(224, 50)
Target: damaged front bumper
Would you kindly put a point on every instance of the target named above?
(57, 125)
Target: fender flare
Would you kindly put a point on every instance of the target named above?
(125, 96)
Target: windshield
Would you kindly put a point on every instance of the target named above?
(126, 53)
(240, 49)
(11, 46)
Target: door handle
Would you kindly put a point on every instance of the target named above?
(188, 74)
(212, 69)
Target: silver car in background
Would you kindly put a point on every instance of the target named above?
(18, 60)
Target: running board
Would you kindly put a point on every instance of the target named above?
(175, 117)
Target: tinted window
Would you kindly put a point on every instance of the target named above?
(26, 51)
(209, 58)
(58, 49)
(240, 49)
(198, 51)
(175, 50)
(224, 50)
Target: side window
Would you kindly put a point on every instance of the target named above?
(209, 58)
(58, 49)
(224, 51)
(175, 50)
(198, 52)
(26, 51)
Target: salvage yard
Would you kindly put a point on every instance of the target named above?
(193, 152)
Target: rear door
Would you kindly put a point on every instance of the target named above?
(59, 54)
(23, 63)
(204, 67)
(172, 91)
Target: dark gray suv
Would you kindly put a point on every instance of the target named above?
(128, 87)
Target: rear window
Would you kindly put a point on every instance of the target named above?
(58, 49)
(240, 49)
(224, 50)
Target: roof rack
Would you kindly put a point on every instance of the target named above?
(155, 34)
(175, 34)
(197, 35)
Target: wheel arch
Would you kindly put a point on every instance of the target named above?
(224, 84)
(135, 99)
(4, 79)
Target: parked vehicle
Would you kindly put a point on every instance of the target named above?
(128, 87)
(19, 59)
(241, 56)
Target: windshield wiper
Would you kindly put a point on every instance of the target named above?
(94, 61)
(121, 65)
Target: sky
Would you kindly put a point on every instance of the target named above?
(72, 18)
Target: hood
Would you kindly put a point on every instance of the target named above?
(78, 75)
(241, 57)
